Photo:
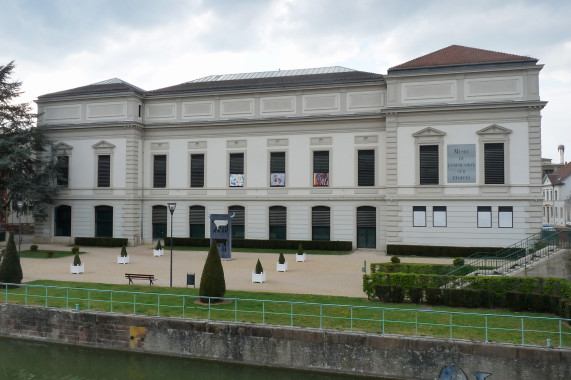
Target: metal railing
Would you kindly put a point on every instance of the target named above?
(516, 256)
(521, 330)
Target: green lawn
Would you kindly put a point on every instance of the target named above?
(299, 310)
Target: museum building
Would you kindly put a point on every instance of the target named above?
(443, 150)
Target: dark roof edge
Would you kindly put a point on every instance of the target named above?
(491, 65)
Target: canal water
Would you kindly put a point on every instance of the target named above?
(30, 360)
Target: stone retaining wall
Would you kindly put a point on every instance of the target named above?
(310, 349)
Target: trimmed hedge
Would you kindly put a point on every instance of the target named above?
(435, 251)
(101, 242)
(318, 245)
(411, 268)
(499, 285)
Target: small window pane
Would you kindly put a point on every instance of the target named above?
(484, 217)
(439, 216)
(419, 216)
(505, 217)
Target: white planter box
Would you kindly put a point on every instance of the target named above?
(77, 269)
(282, 267)
(122, 259)
(158, 252)
(261, 277)
(300, 257)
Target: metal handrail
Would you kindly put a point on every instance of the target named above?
(522, 330)
(516, 254)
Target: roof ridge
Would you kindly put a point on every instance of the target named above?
(273, 74)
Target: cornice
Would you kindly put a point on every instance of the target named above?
(462, 106)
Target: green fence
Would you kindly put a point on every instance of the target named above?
(521, 330)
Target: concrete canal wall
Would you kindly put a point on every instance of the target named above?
(309, 349)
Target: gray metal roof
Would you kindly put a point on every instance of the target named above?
(273, 74)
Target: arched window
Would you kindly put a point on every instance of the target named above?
(159, 221)
(196, 221)
(278, 222)
(320, 223)
(366, 227)
(103, 221)
(238, 222)
(62, 221)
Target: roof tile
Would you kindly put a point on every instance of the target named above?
(455, 55)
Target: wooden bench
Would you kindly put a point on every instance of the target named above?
(138, 276)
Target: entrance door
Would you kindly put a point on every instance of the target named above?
(103, 221)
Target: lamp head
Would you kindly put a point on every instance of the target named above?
(20, 205)
(172, 206)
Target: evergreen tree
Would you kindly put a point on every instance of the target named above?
(10, 268)
(27, 168)
(212, 282)
(259, 268)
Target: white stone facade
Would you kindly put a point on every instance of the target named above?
(467, 109)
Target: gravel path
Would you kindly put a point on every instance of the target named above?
(320, 274)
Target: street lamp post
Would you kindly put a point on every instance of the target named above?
(172, 206)
(20, 205)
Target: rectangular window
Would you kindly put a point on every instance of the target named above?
(321, 168)
(429, 173)
(238, 222)
(439, 216)
(103, 170)
(505, 217)
(160, 171)
(236, 169)
(419, 216)
(197, 170)
(320, 223)
(494, 164)
(366, 168)
(277, 169)
(555, 196)
(63, 171)
(484, 217)
(278, 222)
(196, 218)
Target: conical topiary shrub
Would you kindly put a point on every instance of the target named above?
(299, 249)
(124, 251)
(281, 260)
(212, 282)
(158, 246)
(10, 268)
(76, 260)
(259, 268)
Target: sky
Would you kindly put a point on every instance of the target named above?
(63, 44)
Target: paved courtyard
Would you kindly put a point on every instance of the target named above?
(320, 274)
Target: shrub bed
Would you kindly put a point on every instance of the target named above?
(542, 295)
(435, 251)
(101, 241)
(411, 268)
(318, 245)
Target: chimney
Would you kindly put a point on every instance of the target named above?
(561, 150)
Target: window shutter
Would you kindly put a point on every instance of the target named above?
(366, 168)
(159, 215)
(321, 161)
(160, 171)
(239, 219)
(196, 215)
(277, 162)
(237, 163)
(366, 217)
(320, 216)
(103, 170)
(429, 165)
(277, 216)
(494, 163)
(197, 170)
